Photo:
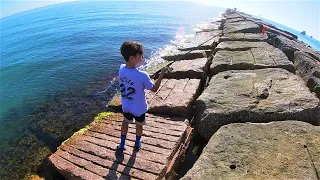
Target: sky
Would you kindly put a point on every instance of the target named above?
(296, 14)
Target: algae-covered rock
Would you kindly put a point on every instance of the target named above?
(262, 95)
(276, 150)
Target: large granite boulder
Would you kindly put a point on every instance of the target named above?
(174, 97)
(289, 46)
(232, 15)
(309, 69)
(253, 37)
(234, 20)
(276, 150)
(213, 26)
(193, 69)
(262, 95)
(241, 45)
(202, 40)
(187, 55)
(241, 26)
(254, 58)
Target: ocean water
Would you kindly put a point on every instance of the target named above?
(58, 63)
(74, 44)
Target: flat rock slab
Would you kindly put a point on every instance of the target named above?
(187, 55)
(276, 150)
(254, 58)
(241, 45)
(213, 26)
(234, 20)
(92, 154)
(232, 15)
(309, 69)
(202, 40)
(192, 69)
(253, 37)
(241, 27)
(263, 95)
(174, 97)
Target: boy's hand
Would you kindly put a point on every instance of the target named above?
(164, 70)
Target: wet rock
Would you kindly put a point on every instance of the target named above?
(254, 58)
(193, 69)
(253, 37)
(309, 69)
(276, 150)
(202, 41)
(187, 55)
(241, 27)
(262, 95)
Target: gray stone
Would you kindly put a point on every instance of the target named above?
(232, 16)
(309, 69)
(254, 58)
(262, 95)
(241, 26)
(253, 37)
(241, 45)
(289, 46)
(234, 20)
(187, 55)
(193, 69)
(174, 97)
(213, 26)
(202, 40)
(276, 150)
(269, 27)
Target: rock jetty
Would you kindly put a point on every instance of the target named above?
(253, 98)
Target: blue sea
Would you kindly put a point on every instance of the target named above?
(58, 64)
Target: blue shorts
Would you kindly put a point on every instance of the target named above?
(141, 120)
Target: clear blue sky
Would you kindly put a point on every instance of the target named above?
(296, 14)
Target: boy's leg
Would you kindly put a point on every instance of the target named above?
(124, 129)
(140, 121)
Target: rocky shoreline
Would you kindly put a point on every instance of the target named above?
(250, 83)
(252, 97)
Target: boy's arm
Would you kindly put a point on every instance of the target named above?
(158, 81)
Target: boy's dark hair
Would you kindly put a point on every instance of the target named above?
(131, 48)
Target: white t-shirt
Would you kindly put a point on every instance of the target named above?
(132, 84)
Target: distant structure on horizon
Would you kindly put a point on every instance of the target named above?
(303, 32)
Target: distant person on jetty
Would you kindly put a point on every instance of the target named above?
(132, 83)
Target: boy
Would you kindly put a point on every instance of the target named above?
(132, 84)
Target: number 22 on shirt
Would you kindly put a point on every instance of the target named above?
(127, 92)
